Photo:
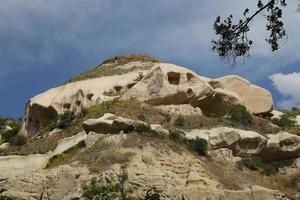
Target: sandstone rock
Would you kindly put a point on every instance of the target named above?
(276, 114)
(261, 193)
(108, 123)
(11, 166)
(159, 129)
(298, 120)
(55, 184)
(239, 141)
(291, 167)
(43, 108)
(217, 103)
(169, 84)
(4, 145)
(183, 109)
(256, 99)
(281, 146)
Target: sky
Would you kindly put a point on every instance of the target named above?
(43, 43)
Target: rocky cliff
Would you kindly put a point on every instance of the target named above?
(188, 136)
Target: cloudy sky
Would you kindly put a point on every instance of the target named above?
(45, 42)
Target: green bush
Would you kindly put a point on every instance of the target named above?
(198, 145)
(18, 140)
(255, 163)
(285, 121)
(117, 191)
(179, 121)
(177, 136)
(65, 119)
(239, 114)
(145, 128)
(7, 135)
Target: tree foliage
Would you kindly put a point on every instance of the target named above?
(233, 41)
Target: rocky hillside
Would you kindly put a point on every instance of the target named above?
(157, 128)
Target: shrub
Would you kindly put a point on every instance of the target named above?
(255, 163)
(118, 191)
(65, 119)
(285, 121)
(177, 136)
(198, 145)
(145, 128)
(239, 114)
(179, 121)
(8, 135)
(19, 140)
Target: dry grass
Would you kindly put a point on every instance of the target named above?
(108, 67)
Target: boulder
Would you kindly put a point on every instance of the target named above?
(159, 129)
(239, 141)
(281, 146)
(256, 99)
(276, 114)
(108, 123)
(183, 109)
(56, 184)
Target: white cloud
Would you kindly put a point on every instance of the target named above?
(289, 86)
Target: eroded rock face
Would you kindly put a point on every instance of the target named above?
(239, 141)
(45, 107)
(183, 109)
(169, 84)
(108, 123)
(281, 146)
(256, 99)
(54, 184)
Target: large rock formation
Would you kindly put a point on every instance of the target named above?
(161, 84)
(239, 141)
(256, 99)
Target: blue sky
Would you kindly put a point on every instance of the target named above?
(45, 42)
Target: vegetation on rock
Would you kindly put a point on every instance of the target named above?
(118, 191)
(239, 114)
(255, 163)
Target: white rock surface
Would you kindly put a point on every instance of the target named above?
(256, 99)
(276, 114)
(14, 165)
(108, 123)
(183, 109)
(281, 146)
(239, 141)
(41, 108)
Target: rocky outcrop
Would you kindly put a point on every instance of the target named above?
(153, 83)
(256, 99)
(55, 184)
(43, 108)
(11, 166)
(108, 123)
(183, 109)
(276, 114)
(281, 146)
(239, 141)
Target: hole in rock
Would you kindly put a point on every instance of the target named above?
(173, 78)
(67, 105)
(89, 96)
(118, 88)
(189, 76)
